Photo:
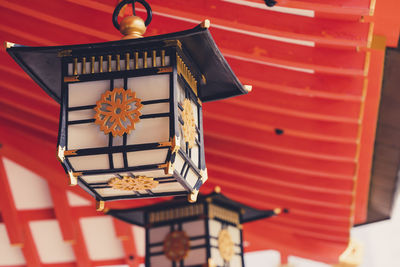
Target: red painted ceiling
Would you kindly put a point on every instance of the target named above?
(316, 77)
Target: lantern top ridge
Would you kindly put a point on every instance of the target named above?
(44, 64)
(247, 213)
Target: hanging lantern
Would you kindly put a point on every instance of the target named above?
(207, 233)
(131, 110)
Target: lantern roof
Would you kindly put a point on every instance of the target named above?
(43, 64)
(136, 216)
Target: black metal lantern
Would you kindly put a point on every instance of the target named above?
(131, 110)
(207, 233)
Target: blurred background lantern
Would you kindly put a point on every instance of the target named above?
(131, 110)
(207, 233)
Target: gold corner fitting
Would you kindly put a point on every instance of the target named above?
(100, 205)
(205, 24)
(64, 53)
(217, 189)
(69, 79)
(192, 197)
(73, 178)
(8, 45)
(248, 88)
(277, 211)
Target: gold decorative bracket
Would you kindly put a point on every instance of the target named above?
(205, 24)
(192, 197)
(62, 153)
(73, 178)
(64, 53)
(8, 45)
(100, 205)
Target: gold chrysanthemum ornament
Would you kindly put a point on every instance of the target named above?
(176, 245)
(189, 124)
(225, 245)
(117, 111)
(137, 183)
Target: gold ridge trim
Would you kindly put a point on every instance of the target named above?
(176, 213)
(215, 211)
(118, 62)
(186, 73)
(84, 65)
(164, 70)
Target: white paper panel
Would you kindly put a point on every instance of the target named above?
(195, 155)
(180, 94)
(214, 227)
(49, 242)
(158, 234)
(147, 157)
(118, 140)
(169, 187)
(96, 162)
(118, 160)
(218, 260)
(109, 192)
(214, 242)
(191, 177)
(179, 162)
(92, 92)
(29, 190)
(194, 228)
(156, 249)
(150, 87)
(160, 261)
(155, 108)
(236, 261)
(86, 135)
(153, 130)
(237, 249)
(139, 235)
(195, 257)
(100, 238)
(77, 201)
(9, 255)
(85, 114)
(197, 242)
(118, 83)
(235, 234)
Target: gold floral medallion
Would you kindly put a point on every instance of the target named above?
(176, 245)
(225, 245)
(189, 125)
(117, 111)
(137, 183)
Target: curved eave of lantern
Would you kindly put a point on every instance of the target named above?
(137, 216)
(43, 64)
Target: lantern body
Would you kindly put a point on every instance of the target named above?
(206, 233)
(131, 111)
(164, 145)
(194, 235)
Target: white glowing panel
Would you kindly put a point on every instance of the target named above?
(77, 201)
(160, 261)
(153, 130)
(94, 162)
(29, 190)
(93, 91)
(49, 242)
(85, 114)
(150, 87)
(155, 108)
(139, 235)
(86, 135)
(100, 238)
(168, 187)
(147, 157)
(9, 255)
(196, 257)
(158, 234)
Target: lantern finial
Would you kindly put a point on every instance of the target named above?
(133, 26)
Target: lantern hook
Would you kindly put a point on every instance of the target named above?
(125, 2)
